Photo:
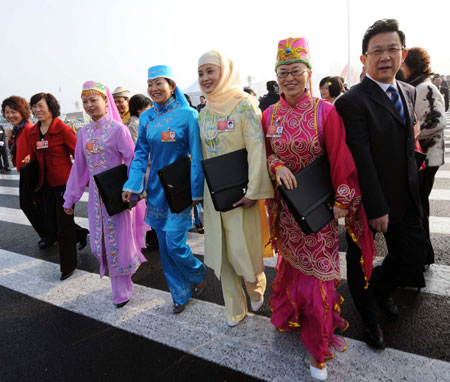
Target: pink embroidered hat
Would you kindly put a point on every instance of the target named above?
(293, 49)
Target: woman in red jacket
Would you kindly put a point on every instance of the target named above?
(52, 144)
(17, 113)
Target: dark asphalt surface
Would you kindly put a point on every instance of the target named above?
(44, 341)
(41, 342)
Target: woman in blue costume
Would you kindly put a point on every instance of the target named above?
(168, 132)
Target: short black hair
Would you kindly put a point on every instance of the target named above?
(51, 101)
(382, 26)
(335, 86)
(138, 102)
(323, 80)
(270, 85)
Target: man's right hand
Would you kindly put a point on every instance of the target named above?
(380, 224)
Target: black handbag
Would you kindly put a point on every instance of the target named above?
(227, 178)
(110, 184)
(176, 182)
(311, 203)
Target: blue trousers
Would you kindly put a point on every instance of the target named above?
(180, 266)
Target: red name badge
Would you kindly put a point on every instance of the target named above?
(41, 145)
(274, 131)
(168, 136)
(227, 125)
(92, 147)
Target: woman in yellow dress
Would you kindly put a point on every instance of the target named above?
(233, 239)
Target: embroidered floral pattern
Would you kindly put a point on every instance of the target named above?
(314, 254)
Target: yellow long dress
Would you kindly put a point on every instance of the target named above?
(236, 234)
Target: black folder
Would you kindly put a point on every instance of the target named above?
(176, 182)
(110, 184)
(227, 178)
(419, 156)
(311, 203)
(29, 176)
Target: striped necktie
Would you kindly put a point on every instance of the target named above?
(397, 101)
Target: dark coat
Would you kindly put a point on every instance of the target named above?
(383, 148)
(54, 162)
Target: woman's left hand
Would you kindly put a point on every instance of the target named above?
(245, 202)
(339, 212)
(26, 160)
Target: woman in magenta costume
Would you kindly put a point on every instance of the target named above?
(299, 129)
(116, 241)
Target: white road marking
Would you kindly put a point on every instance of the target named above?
(253, 347)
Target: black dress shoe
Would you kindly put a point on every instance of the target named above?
(65, 276)
(199, 289)
(199, 228)
(122, 304)
(388, 307)
(83, 240)
(373, 336)
(45, 243)
(177, 308)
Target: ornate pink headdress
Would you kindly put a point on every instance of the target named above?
(293, 49)
(93, 87)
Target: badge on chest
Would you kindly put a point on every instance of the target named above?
(227, 125)
(92, 147)
(41, 145)
(168, 136)
(274, 131)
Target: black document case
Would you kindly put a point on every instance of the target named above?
(176, 182)
(227, 178)
(110, 184)
(29, 176)
(311, 203)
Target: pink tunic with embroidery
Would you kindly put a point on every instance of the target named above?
(116, 241)
(308, 265)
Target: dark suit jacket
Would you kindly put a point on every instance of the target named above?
(54, 162)
(444, 91)
(383, 148)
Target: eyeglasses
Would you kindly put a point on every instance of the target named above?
(390, 51)
(295, 73)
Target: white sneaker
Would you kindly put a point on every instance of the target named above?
(319, 374)
(256, 305)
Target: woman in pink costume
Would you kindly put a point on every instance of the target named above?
(116, 241)
(299, 129)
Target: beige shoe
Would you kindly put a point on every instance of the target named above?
(232, 324)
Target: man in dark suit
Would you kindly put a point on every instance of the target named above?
(443, 88)
(379, 115)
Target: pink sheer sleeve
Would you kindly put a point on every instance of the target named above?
(79, 174)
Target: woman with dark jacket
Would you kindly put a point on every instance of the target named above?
(17, 113)
(430, 111)
(52, 143)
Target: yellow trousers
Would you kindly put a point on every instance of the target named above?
(233, 293)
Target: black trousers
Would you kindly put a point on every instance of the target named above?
(403, 265)
(61, 227)
(4, 163)
(426, 181)
(32, 204)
